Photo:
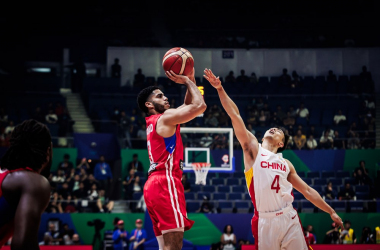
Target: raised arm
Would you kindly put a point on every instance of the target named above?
(311, 195)
(247, 139)
(186, 112)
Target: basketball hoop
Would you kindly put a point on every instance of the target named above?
(200, 169)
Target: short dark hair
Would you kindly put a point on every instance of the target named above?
(285, 140)
(66, 156)
(225, 229)
(28, 145)
(143, 97)
(135, 155)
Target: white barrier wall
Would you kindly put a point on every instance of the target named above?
(264, 62)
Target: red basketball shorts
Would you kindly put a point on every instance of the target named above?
(165, 201)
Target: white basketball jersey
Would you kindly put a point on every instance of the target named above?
(267, 182)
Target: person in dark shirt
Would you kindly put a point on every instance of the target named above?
(66, 165)
(80, 193)
(242, 78)
(66, 234)
(135, 164)
(90, 181)
(331, 77)
(365, 76)
(139, 78)
(332, 236)
(329, 191)
(206, 206)
(186, 184)
(285, 78)
(362, 168)
(362, 179)
(338, 143)
(116, 69)
(347, 193)
(230, 78)
(64, 192)
(128, 184)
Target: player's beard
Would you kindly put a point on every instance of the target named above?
(159, 107)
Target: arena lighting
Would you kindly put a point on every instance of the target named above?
(41, 70)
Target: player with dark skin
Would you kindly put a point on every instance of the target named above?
(27, 191)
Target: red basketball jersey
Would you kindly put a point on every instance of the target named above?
(165, 154)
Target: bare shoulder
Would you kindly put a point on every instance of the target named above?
(291, 167)
(26, 181)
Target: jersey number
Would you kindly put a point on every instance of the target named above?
(276, 183)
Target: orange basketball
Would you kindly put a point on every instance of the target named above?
(179, 60)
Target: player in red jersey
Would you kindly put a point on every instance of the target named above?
(24, 192)
(163, 191)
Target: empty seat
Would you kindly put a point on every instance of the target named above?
(356, 205)
(225, 189)
(318, 181)
(361, 196)
(301, 174)
(224, 175)
(217, 181)
(318, 188)
(195, 188)
(349, 180)
(235, 196)
(219, 196)
(189, 196)
(309, 181)
(242, 206)
(225, 206)
(192, 206)
(362, 189)
(209, 189)
(313, 174)
(247, 196)
(298, 196)
(238, 189)
(307, 206)
(327, 174)
(342, 174)
(336, 181)
(233, 181)
(200, 195)
(137, 196)
(238, 175)
(339, 205)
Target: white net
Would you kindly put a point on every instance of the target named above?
(200, 169)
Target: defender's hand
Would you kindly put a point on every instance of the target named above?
(337, 220)
(176, 78)
(214, 81)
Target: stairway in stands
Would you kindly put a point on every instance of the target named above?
(377, 120)
(78, 112)
(121, 207)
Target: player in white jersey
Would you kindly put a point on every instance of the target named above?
(270, 181)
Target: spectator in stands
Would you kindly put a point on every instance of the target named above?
(186, 183)
(211, 120)
(296, 80)
(284, 79)
(138, 236)
(367, 141)
(332, 236)
(104, 205)
(273, 120)
(76, 240)
(347, 193)
(83, 165)
(103, 174)
(281, 115)
(81, 192)
(128, 182)
(141, 133)
(347, 235)
(66, 234)
(302, 112)
(120, 237)
(93, 193)
(367, 236)
(289, 120)
(290, 144)
(329, 192)
(331, 77)
(362, 179)
(54, 234)
(9, 129)
(253, 79)
(365, 76)
(339, 118)
(228, 238)
(362, 168)
(242, 78)
(206, 140)
(51, 117)
(223, 119)
(66, 165)
(116, 69)
(339, 143)
(90, 181)
(253, 117)
(206, 206)
(311, 143)
(293, 113)
(353, 142)
(220, 141)
(299, 140)
(4, 140)
(135, 164)
(326, 141)
(59, 178)
(74, 183)
(139, 78)
(370, 103)
(309, 237)
(136, 185)
(230, 78)
(48, 240)
(262, 118)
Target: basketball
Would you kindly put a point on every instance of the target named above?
(179, 60)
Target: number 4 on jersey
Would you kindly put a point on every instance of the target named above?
(276, 183)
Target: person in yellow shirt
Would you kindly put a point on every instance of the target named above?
(299, 139)
(377, 230)
(347, 235)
